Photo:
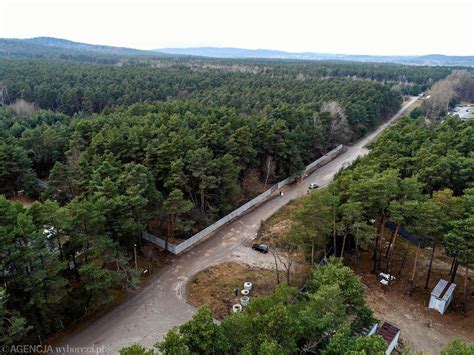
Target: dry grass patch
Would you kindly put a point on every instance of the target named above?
(278, 225)
(25, 201)
(214, 286)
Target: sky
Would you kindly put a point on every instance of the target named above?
(383, 27)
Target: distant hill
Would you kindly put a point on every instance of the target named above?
(77, 46)
(55, 48)
(432, 59)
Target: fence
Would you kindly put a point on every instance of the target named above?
(176, 249)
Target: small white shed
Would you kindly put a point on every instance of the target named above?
(442, 295)
(391, 335)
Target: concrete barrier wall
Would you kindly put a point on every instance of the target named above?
(158, 241)
(176, 249)
(326, 158)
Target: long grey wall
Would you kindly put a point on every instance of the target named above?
(176, 249)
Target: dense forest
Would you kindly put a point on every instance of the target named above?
(169, 146)
(416, 176)
(72, 87)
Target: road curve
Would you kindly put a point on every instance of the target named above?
(146, 317)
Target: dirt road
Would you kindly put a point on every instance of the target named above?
(146, 317)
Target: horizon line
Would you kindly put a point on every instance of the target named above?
(155, 49)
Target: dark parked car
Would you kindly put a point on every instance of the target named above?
(262, 248)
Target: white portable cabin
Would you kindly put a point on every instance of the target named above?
(391, 335)
(442, 295)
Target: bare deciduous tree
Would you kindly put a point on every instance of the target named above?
(286, 252)
(332, 119)
(440, 95)
(23, 108)
(251, 184)
(459, 84)
(269, 168)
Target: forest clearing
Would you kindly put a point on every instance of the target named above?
(423, 329)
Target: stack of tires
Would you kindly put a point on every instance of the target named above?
(244, 299)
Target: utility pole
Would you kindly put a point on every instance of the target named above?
(135, 255)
